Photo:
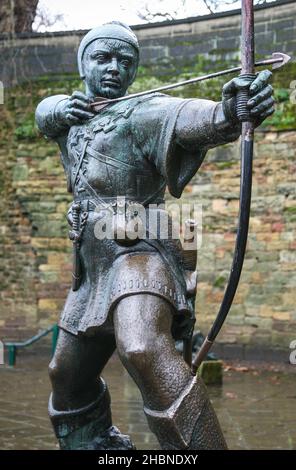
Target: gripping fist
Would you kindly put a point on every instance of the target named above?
(261, 101)
(75, 110)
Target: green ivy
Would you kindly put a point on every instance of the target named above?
(27, 131)
(220, 282)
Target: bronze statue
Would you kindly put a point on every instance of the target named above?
(136, 295)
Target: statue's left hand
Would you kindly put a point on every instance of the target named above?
(261, 101)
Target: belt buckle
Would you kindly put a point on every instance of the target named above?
(134, 208)
(112, 206)
(121, 205)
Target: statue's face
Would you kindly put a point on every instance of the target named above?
(109, 67)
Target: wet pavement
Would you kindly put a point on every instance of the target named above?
(256, 408)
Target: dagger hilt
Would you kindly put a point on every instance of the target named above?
(76, 208)
(74, 234)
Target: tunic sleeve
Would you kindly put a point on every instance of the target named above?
(155, 129)
(46, 117)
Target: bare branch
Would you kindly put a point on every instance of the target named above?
(207, 4)
(213, 5)
(44, 19)
(148, 13)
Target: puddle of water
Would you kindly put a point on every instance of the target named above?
(256, 410)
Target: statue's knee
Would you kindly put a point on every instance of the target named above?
(63, 376)
(135, 357)
(142, 326)
(57, 373)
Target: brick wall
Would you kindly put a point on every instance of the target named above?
(264, 306)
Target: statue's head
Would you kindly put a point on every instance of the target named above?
(108, 58)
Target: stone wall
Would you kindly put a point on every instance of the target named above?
(167, 48)
(35, 251)
(264, 307)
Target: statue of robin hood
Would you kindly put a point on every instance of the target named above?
(135, 295)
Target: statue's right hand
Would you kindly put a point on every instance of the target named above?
(76, 109)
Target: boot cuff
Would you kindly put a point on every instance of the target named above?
(65, 422)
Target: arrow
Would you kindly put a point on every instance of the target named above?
(277, 61)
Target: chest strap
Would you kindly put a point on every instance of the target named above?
(118, 164)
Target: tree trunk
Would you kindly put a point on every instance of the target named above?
(17, 16)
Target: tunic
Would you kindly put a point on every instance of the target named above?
(130, 149)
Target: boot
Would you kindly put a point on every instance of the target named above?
(89, 427)
(190, 422)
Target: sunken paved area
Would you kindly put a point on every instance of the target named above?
(256, 407)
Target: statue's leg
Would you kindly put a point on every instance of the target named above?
(176, 404)
(79, 406)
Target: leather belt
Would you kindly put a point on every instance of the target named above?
(112, 203)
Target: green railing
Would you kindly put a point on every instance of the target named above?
(13, 347)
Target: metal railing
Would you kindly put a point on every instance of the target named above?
(13, 347)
